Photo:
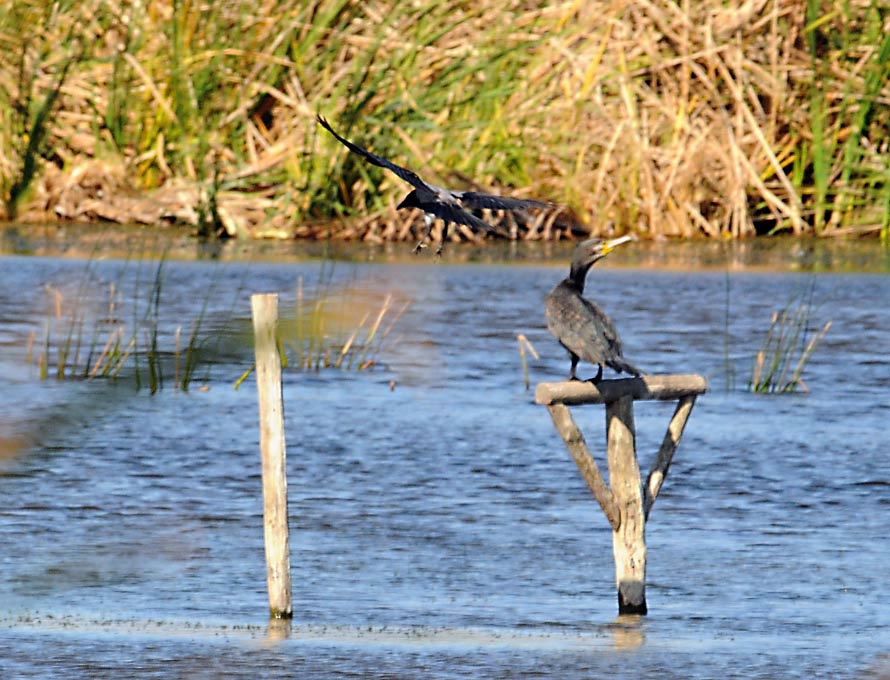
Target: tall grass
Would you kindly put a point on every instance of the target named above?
(848, 169)
(86, 335)
(663, 118)
(341, 327)
(336, 326)
(33, 78)
(789, 344)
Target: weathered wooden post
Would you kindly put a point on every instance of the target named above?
(625, 501)
(272, 451)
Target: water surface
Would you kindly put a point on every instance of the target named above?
(439, 527)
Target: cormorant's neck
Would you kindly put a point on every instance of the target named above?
(578, 275)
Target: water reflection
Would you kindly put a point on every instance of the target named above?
(627, 632)
(278, 630)
(791, 254)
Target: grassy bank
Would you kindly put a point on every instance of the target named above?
(657, 118)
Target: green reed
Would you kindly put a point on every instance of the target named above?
(789, 344)
(33, 100)
(89, 333)
(841, 167)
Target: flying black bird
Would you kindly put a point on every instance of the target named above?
(579, 324)
(450, 206)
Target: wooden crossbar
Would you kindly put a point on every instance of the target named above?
(647, 387)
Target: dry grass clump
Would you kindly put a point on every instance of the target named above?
(656, 117)
(345, 328)
(331, 325)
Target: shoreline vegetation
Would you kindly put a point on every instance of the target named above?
(658, 118)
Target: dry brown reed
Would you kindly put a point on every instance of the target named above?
(662, 118)
(338, 327)
(525, 348)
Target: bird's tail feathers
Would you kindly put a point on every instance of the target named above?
(623, 366)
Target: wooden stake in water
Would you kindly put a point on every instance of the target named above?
(625, 501)
(272, 449)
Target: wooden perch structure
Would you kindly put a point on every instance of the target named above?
(625, 501)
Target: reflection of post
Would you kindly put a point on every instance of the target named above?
(627, 632)
(629, 539)
(272, 449)
(278, 630)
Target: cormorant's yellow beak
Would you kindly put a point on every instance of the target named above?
(611, 244)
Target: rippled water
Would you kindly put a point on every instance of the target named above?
(440, 528)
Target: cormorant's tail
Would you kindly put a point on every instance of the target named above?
(621, 365)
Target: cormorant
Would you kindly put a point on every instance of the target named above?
(579, 324)
(450, 206)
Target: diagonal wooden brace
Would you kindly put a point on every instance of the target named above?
(571, 435)
(662, 462)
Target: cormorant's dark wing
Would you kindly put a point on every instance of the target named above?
(581, 326)
(603, 332)
(476, 200)
(374, 159)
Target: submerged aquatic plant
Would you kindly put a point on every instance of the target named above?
(788, 346)
(727, 361)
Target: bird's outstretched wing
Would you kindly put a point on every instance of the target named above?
(476, 200)
(451, 212)
(374, 159)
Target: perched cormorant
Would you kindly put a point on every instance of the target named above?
(579, 324)
(450, 206)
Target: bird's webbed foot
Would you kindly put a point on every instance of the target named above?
(599, 375)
